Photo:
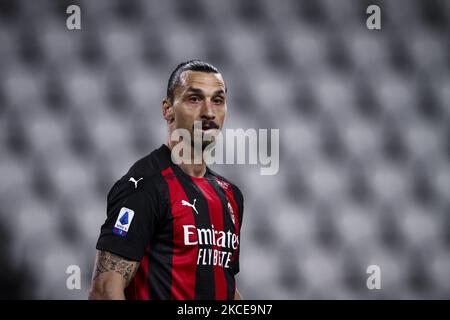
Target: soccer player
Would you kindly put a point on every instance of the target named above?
(172, 231)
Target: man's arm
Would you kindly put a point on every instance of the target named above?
(112, 274)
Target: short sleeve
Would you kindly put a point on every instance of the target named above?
(131, 219)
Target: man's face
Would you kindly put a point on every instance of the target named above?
(200, 96)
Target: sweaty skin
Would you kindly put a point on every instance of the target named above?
(200, 96)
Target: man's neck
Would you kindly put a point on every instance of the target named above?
(196, 170)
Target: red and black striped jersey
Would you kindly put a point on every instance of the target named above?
(185, 231)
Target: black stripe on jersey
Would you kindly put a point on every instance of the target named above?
(227, 225)
(204, 283)
(237, 195)
(160, 269)
(240, 203)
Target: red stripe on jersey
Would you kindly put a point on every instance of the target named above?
(230, 197)
(216, 218)
(142, 285)
(138, 289)
(184, 258)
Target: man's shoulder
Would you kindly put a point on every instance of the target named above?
(143, 175)
(152, 164)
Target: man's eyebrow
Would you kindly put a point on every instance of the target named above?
(200, 91)
(194, 90)
(220, 91)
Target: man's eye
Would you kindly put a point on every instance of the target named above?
(194, 98)
(218, 101)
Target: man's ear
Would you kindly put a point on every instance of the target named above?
(167, 111)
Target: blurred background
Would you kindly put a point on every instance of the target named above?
(364, 119)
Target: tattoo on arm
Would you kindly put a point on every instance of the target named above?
(106, 261)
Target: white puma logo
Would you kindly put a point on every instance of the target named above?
(135, 182)
(185, 203)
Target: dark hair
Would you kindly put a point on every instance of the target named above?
(193, 65)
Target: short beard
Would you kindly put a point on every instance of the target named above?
(205, 143)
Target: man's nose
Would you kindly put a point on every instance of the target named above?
(208, 111)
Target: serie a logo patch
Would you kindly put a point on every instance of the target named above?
(123, 221)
